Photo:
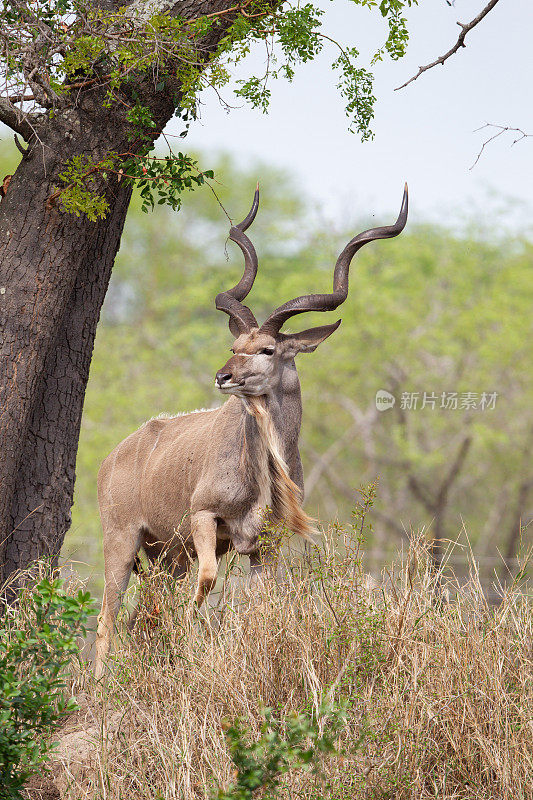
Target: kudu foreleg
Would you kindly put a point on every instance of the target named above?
(204, 536)
(119, 556)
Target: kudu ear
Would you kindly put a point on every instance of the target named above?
(307, 341)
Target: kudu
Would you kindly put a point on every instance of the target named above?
(197, 484)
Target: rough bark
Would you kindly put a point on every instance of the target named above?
(54, 272)
(44, 485)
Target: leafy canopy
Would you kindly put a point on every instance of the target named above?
(54, 51)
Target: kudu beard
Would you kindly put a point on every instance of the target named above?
(284, 494)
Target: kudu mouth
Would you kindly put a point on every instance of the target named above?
(226, 381)
(228, 388)
(239, 389)
(236, 378)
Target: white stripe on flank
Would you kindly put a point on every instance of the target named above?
(164, 415)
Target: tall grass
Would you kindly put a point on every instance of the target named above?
(437, 686)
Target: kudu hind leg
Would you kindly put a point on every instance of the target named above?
(204, 536)
(120, 551)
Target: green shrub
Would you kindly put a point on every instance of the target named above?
(296, 742)
(38, 639)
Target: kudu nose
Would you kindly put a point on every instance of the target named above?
(223, 377)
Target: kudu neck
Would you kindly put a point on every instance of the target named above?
(276, 419)
(283, 405)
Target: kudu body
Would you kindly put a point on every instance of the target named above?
(197, 484)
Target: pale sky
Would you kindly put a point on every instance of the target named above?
(424, 133)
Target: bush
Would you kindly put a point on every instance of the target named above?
(283, 745)
(435, 685)
(38, 639)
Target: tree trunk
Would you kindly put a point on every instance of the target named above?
(520, 506)
(54, 272)
(517, 526)
(44, 481)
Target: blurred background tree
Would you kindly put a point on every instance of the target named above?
(431, 311)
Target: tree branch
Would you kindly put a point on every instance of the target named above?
(349, 493)
(18, 145)
(14, 119)
(454, 470)
(398, 529)
(501, 129)
(525, 487)
(459, 43)
(323, 461)
(421, 493)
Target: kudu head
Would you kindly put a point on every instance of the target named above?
(259, 352)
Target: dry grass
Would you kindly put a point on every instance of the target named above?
(442, 692)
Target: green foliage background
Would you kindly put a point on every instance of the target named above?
(429, 311)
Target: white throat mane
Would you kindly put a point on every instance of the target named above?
(276, 487)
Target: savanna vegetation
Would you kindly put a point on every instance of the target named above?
(324, 682)
(319, 684)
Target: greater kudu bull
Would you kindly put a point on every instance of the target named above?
(197, 484)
